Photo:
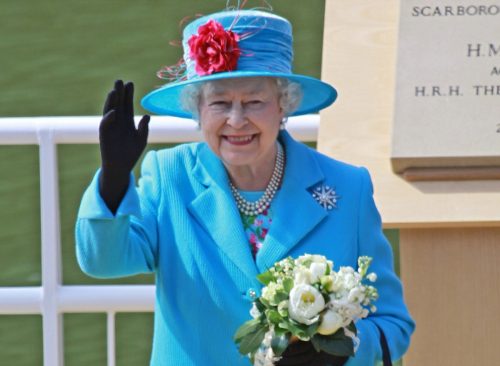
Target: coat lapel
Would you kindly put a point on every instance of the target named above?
(295, 211)
(217, 213)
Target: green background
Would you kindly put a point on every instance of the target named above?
(58, 58)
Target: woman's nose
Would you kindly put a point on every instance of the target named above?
(236, 117)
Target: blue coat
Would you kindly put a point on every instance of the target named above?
(182, 224)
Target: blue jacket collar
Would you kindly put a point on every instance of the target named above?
(295, 212)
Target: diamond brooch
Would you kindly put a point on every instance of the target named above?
(326, 197)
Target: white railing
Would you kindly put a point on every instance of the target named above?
(52, 299)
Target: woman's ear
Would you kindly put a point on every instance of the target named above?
(282, 112)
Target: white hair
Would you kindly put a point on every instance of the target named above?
(290, 97)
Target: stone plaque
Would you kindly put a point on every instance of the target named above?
(447, 99)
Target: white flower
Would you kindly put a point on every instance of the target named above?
(311, 258)
(265, 355)
(327, 283)
(349, 277)
(302, 276)
(372, 277)
(317, 271)
(269, 292)
(356, 295)
(331, 321)
(336, 282)
(305, 304)
(355, 340)
(283, 308)
(330, 264)
(349, 311)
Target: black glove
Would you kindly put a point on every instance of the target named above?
(304, 354)
(120, 142)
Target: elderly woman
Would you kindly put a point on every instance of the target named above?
(207, 217)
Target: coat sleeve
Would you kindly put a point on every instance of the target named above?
(392, 314)
(123, 244)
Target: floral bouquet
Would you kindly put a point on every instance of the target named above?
(306, 299)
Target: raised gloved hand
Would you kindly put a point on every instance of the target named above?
(304, 354)
(120, 142)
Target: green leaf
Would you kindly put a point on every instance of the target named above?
(307, 263)
(296, 329)
(246, 328)
(288, 284)
(278, 297)
(265, 277)
(311, 329)
(337, 344)
(264, 302)
(280, 342)
(260, 306)
(251, 342)
(352, 328)
(273, 316)
(315, 344)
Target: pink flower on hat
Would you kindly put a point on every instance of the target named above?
(214, 49)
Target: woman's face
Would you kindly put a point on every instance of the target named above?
(240, 119)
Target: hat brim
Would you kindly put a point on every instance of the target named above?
(167, 99)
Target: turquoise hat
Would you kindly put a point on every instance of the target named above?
(238, 44)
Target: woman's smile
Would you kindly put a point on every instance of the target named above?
(239, 140)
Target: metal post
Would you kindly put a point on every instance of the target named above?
(51, 253)
(111, 338)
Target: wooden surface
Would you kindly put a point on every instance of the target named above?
(359, 59)
(452, 288)
(451, 174)
(450, 237)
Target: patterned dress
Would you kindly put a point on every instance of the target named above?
(256, 226)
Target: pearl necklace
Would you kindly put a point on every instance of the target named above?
(259, 206)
